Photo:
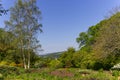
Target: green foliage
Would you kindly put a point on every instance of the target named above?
(82, 39)
(5, 70)
(116, 73)
(2, 63)
(66, 57)
(61, 74)
(24, 27)
(1, 77)
(6, 46)
(55, 64)
(42, 62)
(100, 45)
(78, 58)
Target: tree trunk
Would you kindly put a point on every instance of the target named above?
(22, 52)
(28, 60)
(24, 62)
(28, 66)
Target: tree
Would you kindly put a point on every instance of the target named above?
(82, 39)
(101, 43)
(66, 57)
(6, 45)
(2, 10)
(25, 26)
(33, 26)
(107, 46)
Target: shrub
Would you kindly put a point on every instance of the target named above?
(100, 70)
(115, 73)
(116, 67)
(13, 64)
(40, 64)
(19, 65)
(8, 70)
(55, 64)
(2, 63)
(1, 77)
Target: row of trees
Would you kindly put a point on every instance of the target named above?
(99, 47)
(20, 34)
(103, 42)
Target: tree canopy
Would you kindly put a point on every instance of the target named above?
(103, 40)
(99, 46)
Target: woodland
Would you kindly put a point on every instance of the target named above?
(97, 58)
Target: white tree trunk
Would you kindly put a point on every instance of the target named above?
(24, 59)
(28, 66)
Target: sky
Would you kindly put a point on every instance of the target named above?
(63, 20)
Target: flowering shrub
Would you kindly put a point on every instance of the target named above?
(116, 67)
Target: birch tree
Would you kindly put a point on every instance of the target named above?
(25, 24)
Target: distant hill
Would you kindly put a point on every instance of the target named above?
(52, 55)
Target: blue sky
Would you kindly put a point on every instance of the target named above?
(63, 20)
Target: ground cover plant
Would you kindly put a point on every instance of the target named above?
(58, 74)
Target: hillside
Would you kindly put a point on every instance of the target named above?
(52, 55)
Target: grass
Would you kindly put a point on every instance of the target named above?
(59, 74)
